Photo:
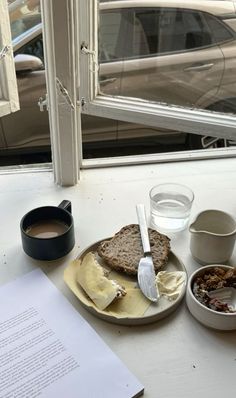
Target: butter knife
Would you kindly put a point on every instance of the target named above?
(146, 272)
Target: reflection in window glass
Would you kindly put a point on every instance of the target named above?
(104, 138)
(34, 47)
(109, 32)
(24, 15)
(218, 29)
(169, 55)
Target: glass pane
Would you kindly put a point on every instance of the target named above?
(33, 47)
(104, 138)
(109, 138)
(179, 56)
(30, 141)
(24, 15)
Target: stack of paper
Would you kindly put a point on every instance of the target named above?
(47, 349)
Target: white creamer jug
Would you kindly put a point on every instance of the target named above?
(213, 236)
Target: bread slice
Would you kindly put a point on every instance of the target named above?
(91, 276)
(124, 250)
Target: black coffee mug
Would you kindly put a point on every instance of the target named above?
(47, 232)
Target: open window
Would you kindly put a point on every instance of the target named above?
(97, 76)
(171, 79)
(9, 101)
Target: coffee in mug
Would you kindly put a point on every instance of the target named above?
(47, 229)
(47, 232)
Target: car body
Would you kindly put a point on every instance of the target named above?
(175, 52)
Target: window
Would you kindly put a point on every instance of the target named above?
(25, 16)
(8, 88)
(117, 98)
(219, 30)
(111, 25)
(180, 64)
(176, 53)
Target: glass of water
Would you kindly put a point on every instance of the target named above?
(170, 206)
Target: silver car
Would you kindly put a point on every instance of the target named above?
(174, 52)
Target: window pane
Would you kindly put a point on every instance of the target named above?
(110, 26)
(169, 55)
(33, 47)
(24, 15)
(9, 101)
(109, 138)
(32, 133)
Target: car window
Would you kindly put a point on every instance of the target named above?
(220, 31)
(173, 30)
(34, 47)
(135, 33)
(113, 38)
(108, 35)
(196, 30)
(148, 22)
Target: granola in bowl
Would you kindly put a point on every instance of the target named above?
(214, 278)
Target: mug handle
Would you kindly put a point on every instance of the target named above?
(65, 205)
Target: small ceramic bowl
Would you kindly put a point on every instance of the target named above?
(206, 316)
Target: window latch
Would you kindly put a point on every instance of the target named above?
(84, 50)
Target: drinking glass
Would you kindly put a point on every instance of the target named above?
(170, 206)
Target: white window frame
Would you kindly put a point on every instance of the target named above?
(78, 43)
(9, 100)
(62, 79)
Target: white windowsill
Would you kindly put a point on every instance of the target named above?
(103, 201)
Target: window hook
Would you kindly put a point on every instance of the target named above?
(86, 51)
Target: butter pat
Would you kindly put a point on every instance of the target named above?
(101, 290)
(170, 283)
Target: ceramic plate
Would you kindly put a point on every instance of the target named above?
(149, 312)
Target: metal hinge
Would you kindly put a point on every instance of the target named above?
(43, 103)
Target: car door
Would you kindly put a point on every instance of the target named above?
(173, 58)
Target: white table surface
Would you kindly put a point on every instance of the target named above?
(174, 357)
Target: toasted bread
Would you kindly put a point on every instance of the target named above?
(124, 250)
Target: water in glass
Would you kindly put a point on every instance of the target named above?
(170, 212)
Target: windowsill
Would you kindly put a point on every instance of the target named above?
(30, 168)
(142, 159)
(103, 202)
